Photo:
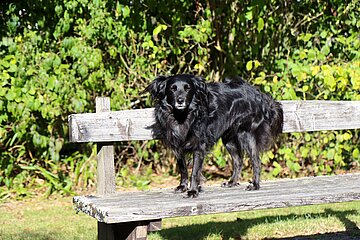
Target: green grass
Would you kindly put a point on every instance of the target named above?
(55, 219)
(44, 220)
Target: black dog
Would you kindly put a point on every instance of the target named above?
(191, 116)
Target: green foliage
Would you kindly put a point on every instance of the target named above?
(314, 153)
(57, 56)
(140, 180)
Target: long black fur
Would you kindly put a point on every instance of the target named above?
(191, 116)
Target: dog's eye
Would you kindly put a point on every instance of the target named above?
(173, 88)
(186, 87)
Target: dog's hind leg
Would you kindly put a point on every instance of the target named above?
(253, 152)
(183, 187)
(237, 161)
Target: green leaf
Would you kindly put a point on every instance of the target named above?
(249, 65)
(256, 64)
(356, 153)
(331, 154)
(277, 169)
(249, 15)
(304, 152)
(296, 167)
(270, 154)
(307, 37)
(267, 88)
(159, 28)
(51, 82)
(325, 50)
(303, 55)
(305, 88)
(10, 95)
(338, 159)
(323, 34)
(126, 11)
(260, 24)
(347, 136)
(289, 94)
(330, 81)
(311, 54)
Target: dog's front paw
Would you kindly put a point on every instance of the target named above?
(230, 184)
(193, 193)
(181, 189)
(253, 186)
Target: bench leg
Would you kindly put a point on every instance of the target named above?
(128, 231)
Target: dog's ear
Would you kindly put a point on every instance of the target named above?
(157, 88)
(201, 89)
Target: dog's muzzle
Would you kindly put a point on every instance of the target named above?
(180, 104)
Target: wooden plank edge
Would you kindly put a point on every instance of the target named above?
(82, 204)
(73, 129)
(229, 208)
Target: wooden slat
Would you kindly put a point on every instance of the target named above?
(305, 116)
(299, 116)
(157, 204)
(111, 126)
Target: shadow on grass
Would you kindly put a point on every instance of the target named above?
(239, 228)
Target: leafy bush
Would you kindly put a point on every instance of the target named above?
(57, 56)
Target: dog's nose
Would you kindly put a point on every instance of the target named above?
(180, 100)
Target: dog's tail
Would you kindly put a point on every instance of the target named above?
(267, 132)
(276, 118)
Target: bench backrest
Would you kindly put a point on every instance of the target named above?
(105, 127)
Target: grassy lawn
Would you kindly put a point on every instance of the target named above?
(55, 219)
(45, 220)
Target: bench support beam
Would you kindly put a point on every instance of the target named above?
(105, 157)
(128, 230)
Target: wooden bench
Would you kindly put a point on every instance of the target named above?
(130, 215)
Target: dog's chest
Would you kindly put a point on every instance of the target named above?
(181, 131)
(184, 138)
(180, 134)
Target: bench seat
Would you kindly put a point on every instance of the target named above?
(164, 203)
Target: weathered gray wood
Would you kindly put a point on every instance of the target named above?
(147, 205)
(305, 116)
(111, 126)
(299, 116)
(154, 225)
(105, 156)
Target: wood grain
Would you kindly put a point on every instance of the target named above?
(105, 156)
(299, 116)
(164, 203)
(305, 116)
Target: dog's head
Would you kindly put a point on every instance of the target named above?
(181, 92)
